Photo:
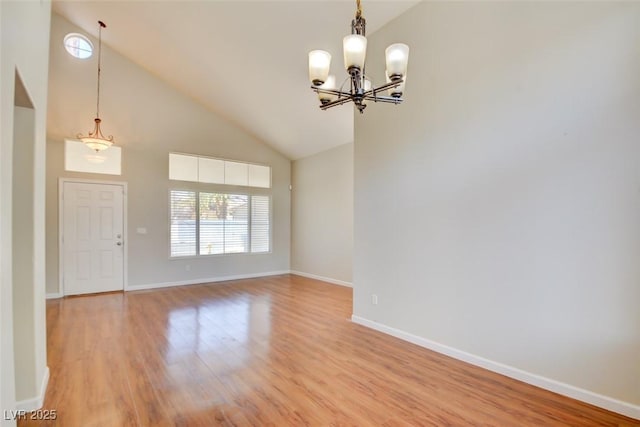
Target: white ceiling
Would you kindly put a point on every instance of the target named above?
(245, 60)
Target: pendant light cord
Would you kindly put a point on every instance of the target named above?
(358, 9)
(101, 26)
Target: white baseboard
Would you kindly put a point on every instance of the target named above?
(611, 404)
(54, 295)
(203, 280)
(38, 401)
(324, 279)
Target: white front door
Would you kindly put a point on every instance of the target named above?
(92, 238)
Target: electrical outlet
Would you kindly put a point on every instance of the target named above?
(374, 299)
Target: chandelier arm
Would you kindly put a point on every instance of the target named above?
(348, 79)
(373, 92)
(388, 99)
(331, 92)
(336, 102)
(386, 86)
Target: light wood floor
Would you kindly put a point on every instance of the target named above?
(272, 351)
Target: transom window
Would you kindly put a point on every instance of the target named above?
(210, 170)
(206, 223)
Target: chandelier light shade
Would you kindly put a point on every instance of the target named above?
(95, 139)
(329, 85)
(355, 51)
(397, 56)
(357, 87)
(319, 63)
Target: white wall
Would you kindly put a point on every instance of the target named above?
(22, 253)
(150, 119)
(322, 215)
(497, 211)
(24, 41)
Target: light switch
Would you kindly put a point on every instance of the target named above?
(141, 230)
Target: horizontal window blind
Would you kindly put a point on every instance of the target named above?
(183, 223)
(260, 229)
(236, 225)
(221, 224)
(212, 215)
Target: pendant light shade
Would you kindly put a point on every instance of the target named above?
(355, 51)
(319, 63)
(96, 140)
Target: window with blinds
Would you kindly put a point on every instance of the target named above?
(221, 224)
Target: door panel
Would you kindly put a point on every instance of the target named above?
(92, 238)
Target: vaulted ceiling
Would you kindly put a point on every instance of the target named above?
(244, 60)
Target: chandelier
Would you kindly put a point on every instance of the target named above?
(95, 139)
(359, 88)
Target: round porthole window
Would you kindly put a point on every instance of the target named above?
(78, 45)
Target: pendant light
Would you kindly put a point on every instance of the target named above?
(95, 139)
